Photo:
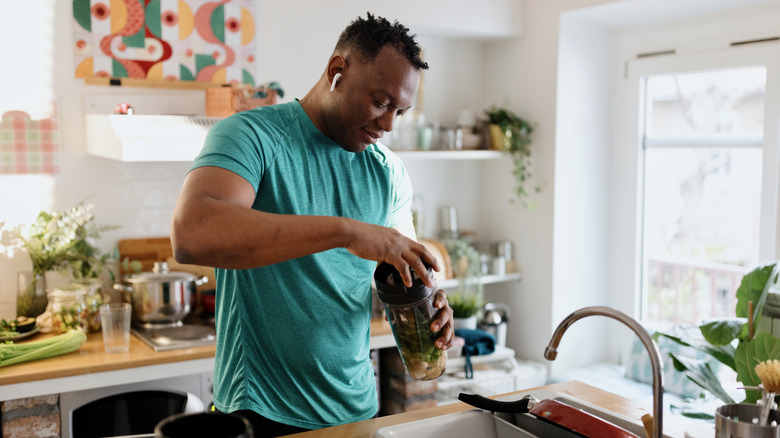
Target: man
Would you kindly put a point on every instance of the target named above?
(295, 204)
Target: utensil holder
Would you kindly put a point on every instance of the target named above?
(736, 420)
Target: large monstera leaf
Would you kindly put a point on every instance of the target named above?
(749, 354)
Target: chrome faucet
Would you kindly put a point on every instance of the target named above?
(551, 352)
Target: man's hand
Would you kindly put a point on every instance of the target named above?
(383, 244)
(443, 321)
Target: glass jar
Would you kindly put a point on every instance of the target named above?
(68, 309)
(94, 299)
(410, 313)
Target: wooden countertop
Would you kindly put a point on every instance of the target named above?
(673, 426)
(92, 358)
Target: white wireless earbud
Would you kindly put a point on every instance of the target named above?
(336, 78)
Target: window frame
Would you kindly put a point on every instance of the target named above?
(630, 147)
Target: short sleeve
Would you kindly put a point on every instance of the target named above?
(234, 144)
(402, 192)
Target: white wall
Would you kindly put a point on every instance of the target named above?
(298, 36)
(525, 75)
(581, 234)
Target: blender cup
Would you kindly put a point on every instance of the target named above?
(410, 312)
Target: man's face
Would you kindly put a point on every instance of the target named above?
(368, 98)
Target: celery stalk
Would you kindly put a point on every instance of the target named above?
(11, 353)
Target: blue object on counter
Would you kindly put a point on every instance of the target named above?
(478, 342)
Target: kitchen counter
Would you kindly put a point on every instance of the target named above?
(674, 426)
(91, 367)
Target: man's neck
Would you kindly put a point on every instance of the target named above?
(312, 105)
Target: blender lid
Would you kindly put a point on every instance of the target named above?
(391, 289)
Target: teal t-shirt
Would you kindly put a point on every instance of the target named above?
(292, 338)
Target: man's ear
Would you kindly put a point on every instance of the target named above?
(336, 69)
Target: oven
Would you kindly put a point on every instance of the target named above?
(137, 403)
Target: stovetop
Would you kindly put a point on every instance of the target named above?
(194, 331)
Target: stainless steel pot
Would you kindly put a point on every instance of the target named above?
(160, 296)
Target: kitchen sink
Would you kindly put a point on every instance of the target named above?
(476, 423)
(484, 424)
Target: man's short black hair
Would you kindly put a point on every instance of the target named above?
(368, 35)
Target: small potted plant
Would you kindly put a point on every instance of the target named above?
(465, 304)
(510, 133)
(467, 300)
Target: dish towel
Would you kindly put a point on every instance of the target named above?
(478, 342)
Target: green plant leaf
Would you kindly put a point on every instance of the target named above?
(700, 373)
(754, 287)
(722, 331)
(697, 415)
(465, 304)
(722, 353)
(517, 138)
(749, 354)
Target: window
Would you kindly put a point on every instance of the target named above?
(702, 185)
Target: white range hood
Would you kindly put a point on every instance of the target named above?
(146, 138)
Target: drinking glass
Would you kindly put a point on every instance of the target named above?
(115, 319)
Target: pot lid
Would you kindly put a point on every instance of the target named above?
(160, 273)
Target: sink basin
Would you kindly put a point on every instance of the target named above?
(483, 424)
(469, 424)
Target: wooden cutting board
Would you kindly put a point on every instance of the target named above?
(147, 251)
(159, 249)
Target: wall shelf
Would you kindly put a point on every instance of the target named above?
(473, 154)
(486, 279)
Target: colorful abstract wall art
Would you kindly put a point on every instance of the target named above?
(185, 40)
(27, 145)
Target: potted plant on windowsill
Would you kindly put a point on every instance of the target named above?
(739, 343)
(512, 134)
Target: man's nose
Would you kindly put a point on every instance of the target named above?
(386, 121)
